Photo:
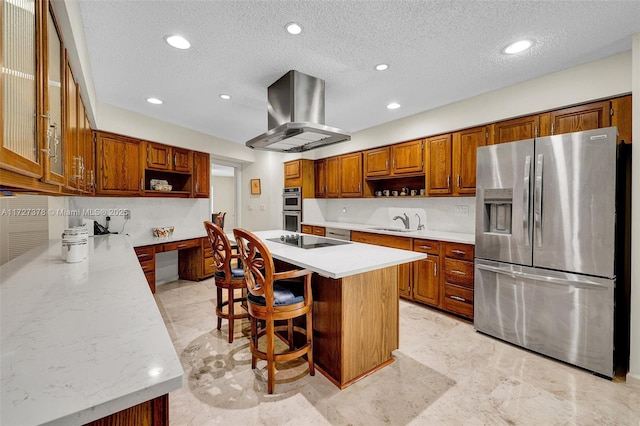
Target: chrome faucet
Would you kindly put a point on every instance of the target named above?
(404, 220)
(420, 225)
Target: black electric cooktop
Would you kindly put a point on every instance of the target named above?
(307, 241)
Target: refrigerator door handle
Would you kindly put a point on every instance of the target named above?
(537, 201)
(582, 283)
(525, 200)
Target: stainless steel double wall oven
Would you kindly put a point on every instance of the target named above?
(292, 209)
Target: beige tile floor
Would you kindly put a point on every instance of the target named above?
(444, 373)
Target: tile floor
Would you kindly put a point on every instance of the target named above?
(444, 373)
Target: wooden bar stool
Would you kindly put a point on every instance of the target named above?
(275, 296)
(227, 277)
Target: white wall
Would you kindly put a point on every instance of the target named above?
(223, 199)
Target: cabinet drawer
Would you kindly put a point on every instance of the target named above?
(381, 240)
(179, 245)
(459, 251)
(209, 266)
(459, 272)
(207, 251)
(145, 253)
(307, 229)
(148, 266)
(458, 300)
(319, 230)
(151, 280)
(426, 246)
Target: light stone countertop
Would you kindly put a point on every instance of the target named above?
(149, 239)
(80, 341)
(337, 261)
(452, 237)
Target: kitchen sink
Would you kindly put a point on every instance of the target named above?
(382, 228)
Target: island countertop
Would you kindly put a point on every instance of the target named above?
(337, 261)
(80, 341)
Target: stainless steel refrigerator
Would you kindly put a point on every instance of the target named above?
(545, 269)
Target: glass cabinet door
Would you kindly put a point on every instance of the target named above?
(19, 87)
(53, 143)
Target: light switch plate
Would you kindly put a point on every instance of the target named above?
(462, 210)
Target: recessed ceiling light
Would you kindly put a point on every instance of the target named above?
(293, 28)
(225, 97)
(382, 67)
(154, 101)
(517, 47)
(178, 42)
(393, 105)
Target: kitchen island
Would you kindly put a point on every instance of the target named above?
(83, 341)
(355, 306)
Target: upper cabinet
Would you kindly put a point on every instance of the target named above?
(403, 159)
(320, 177)
(167, 158)
(621, 117)
(300, 173)
(118, 166)
(350, 175)
(438, 150)
(465, 144)
(333, 177)
(201, 172)
(576, 119)
(515, 130)
(21, 88)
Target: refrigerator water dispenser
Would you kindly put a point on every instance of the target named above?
(497, 209)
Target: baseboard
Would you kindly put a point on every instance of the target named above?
(633, 379)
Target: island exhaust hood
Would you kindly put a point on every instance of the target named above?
(296, 116)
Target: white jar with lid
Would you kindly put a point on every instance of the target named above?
(75, 244)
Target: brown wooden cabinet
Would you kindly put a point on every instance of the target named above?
(621, 117)
(576, 119)
(118, 167)
(404, 270)
(515, 129)
(320, 178)
(465, 144)
(351, 175)
(438, 154)
(426, 273)
(300, 173)
(458, 279)
(314, 230)
(72, 151)
(167, 158)
(147, 258)
(402, 159)
(201, 173)
(333, 177)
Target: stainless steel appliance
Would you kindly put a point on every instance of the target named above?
(292, 199)
(545, 270)
(307, 241)
(292, 220)
(338, 233)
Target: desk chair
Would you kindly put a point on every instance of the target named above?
(275, 296)
(227, 277)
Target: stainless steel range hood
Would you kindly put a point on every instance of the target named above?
(296, 116)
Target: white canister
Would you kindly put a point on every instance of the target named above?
(75, 245)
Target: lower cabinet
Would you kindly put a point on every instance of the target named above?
(147, 258)
(443, 280)
(314, 230)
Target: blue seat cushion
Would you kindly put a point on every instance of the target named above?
(235, 273)
(287, 293)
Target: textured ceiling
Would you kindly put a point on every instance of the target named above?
(438, 52)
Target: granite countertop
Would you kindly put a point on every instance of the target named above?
(337, 261)
(453, 237)
(80, 341)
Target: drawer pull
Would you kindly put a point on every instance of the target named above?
(425, 247)
(460, 252)
(458, 298)
(142, 255)
(455, 271)
(181, 245)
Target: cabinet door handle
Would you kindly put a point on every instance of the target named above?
(141, 184)
(458, 181)
(448, 181)
(174, 160)
(196, 186)
(435, 269)
(359, 186)
(386, 164)
(460, 252)
(455, 271)
(458, 298)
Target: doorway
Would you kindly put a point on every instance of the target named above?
(224, 192)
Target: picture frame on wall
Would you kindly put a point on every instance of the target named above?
(255, 187)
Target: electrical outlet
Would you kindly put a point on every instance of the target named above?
(127, 214)
(263, 207)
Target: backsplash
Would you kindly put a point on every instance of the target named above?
(185, 214)
(446, 214)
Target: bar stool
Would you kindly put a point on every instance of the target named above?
(226, 277)
(275, 296)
